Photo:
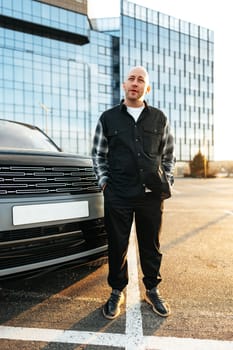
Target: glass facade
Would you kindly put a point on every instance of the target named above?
(50, 75)
(179, 58)
(59, 71)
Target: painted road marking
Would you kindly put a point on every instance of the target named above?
(111, 339)
(133, 338)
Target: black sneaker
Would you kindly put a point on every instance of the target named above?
(112, 308)
(159, 306)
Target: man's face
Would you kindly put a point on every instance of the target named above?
(136, 85)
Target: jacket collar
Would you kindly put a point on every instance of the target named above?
(123, 106)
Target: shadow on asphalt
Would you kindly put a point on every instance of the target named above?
(190, 234)
(20, 294)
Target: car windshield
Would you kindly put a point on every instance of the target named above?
(14, 135)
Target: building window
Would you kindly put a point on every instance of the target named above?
(203, 70)
(212, 72)
(180, 80)
(208, 87)
(174, 62)
(204, 139)
(190, 117)
(103, 88)
(175, 131)
(102, 69)
(185, 99)
(164, 60)
(169, 79)
(208, 118)
(174, 97)
(185, 133)
(164, 96)
(203, 101)
(184, 65)
(199, 85)
(158, 76)
(103, 50)
(195, 133)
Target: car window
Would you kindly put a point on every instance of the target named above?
(20, 136)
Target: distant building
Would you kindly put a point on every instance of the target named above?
(60, 70)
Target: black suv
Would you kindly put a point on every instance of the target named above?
(51, 208)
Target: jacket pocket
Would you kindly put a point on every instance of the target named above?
(151, 140)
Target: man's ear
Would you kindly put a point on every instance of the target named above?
(123, 86)
(148, 89)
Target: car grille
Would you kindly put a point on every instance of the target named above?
(21, 180)
(34, 245)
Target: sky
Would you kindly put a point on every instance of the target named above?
(217, 16)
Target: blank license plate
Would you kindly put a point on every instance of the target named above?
(30, 214)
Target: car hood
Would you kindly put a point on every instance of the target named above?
(24, 157)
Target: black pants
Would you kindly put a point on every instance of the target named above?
(119, 216)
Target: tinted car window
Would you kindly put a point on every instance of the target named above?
(23, 136)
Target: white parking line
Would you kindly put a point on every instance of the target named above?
(134, 329)
(133, 338)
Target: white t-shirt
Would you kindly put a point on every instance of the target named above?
(135, 111)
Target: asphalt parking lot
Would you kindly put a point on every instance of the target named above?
(62, 309)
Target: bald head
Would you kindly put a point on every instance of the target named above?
(139, 70)
(136, 86)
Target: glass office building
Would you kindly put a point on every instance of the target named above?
(60, 70)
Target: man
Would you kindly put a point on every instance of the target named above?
(133, 160)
